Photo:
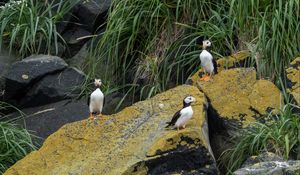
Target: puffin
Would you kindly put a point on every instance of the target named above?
(96, 100)
(208, 63)
(181, 117)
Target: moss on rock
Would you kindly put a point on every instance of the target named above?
(133, 141)
(293, 76)
(236, 95)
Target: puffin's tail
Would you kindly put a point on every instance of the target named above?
(168, 124)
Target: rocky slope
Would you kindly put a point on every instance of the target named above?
(133, 141)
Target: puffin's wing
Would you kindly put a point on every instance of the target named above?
(103, 100)
(174, 119)
(215, 66)
(88, 100)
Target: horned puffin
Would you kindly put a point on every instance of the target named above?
(181, 117)
(96, 100)
(208, 63)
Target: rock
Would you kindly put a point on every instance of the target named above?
(23, 74)
(90, 12)
(45, 120)
(263, 157)
(290, 167)
(54, 87)
(59, 52)
(237, 99)
(79, 59)
(236, 96)
(3, 70)
(293, 76)
(133, 141)
(73, 35)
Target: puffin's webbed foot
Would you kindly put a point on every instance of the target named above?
(91, 116)
(205, 78)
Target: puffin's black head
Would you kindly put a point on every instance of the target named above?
(188, 100)
(98, 82)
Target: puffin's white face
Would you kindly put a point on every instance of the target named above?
(98, 82)
(206, 43)
(189, 99)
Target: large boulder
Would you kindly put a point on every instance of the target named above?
(54, 87)
(45, 120)
(236, 99)
(23, 74)
(134, 141)
(90, 13)
(293, 76)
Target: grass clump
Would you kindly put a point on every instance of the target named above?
(29, 27)
(281, 136)
(15, 143)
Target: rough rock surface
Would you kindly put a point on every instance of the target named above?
(293, 75)
(263, 157)
(45, 120)
(54, 87)
(236, 95)
(23, 74)
(236, 99)
(133, 141)
(290, 167)
(90, 12)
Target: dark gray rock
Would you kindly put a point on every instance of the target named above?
(54, 87)
(3, 70)
(45, 120)
(53, 51)
(92, 11)
(73, 35)
(290, 167)
(263, 157)
(79, 59)
(23, 74)
(268, 163)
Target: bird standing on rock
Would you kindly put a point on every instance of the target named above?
(96, 100)
(208, 63)
(181, 117)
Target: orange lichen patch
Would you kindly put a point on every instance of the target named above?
(236, 94)
(115, 144)
(293, 75)
(224, 63)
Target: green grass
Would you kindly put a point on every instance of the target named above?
(281, 135)
(155, 42)
(15, 141)
(29, 27)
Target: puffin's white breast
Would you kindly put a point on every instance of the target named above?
(185, 115)
(206, 61)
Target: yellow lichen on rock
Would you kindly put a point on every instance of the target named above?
(236, 95)
(133, 141)
(293, 75)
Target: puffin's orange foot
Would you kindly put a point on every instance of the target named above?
(205, 78)
(91, 116)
